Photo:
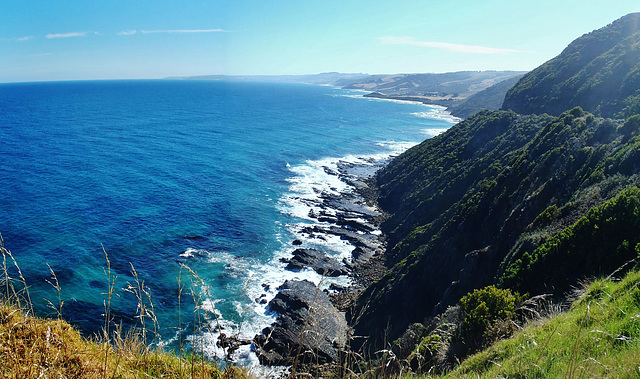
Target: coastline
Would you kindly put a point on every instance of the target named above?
(350, 215)
(330, 218)
(336, 253)
(440, 105)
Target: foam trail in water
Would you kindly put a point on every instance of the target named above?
(438, 113)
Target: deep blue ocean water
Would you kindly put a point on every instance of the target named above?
(162, 173)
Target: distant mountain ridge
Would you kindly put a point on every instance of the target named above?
(599, 72)
(328, 78)
(453, 85)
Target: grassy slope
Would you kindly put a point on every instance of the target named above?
(35, 347)
(598, 337)
(32, 347)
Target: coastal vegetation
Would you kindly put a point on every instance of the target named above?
(522, 203)
(598, 336)
(489, 99)
(512, 248)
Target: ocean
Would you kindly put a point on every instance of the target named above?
(194, 189)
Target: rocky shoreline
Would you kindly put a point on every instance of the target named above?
(311, 326)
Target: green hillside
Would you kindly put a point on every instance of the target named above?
(599, 72)
(529, 202)
(599, 337)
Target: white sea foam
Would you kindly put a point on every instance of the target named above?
(351, 96)
(189, 253)
(434, 112)
(434, 131)
(309, 184)
(221, 257)
(396, 147)
(314, 180)
(437, 113)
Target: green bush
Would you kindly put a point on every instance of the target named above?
(485, 306)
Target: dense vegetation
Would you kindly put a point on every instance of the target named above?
(599, 337)
(599, 72)
(525, 202)
(597, 244)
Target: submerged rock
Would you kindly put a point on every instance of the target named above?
(317, 260)
(308, 327)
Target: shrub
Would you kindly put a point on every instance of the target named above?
(483, 307)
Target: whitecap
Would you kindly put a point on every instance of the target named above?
(438, 113)
(191, 252)
(434, 131)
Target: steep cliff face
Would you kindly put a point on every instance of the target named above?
(599, 72)
(468, 207)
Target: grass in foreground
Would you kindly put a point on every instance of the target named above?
(599, 337)
(32, 347)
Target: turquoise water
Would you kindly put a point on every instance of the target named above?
(212, 175)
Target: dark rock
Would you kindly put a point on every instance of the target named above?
(261, 299)
(329, 171)
(308, 327)
(327, 219)
(317, 260)
(231, 343)
(337, 287)
(296, 243)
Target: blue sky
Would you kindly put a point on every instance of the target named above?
(127, 39)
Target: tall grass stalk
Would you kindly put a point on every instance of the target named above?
(32, 347)
(56, 285)
(179, 326)
(11, 293)
(144, 311)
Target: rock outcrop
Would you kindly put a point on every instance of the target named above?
(317, 260)
(308, 327)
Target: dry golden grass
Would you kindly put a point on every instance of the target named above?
(32, 347)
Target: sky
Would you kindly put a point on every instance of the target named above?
(45, 40)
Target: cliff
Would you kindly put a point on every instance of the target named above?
(485, 202)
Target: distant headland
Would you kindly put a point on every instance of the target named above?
(463, 93)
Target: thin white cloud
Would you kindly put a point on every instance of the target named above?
(66, 35)
(184, 31)
(26, 38)
(128, 32)
(471, 49)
